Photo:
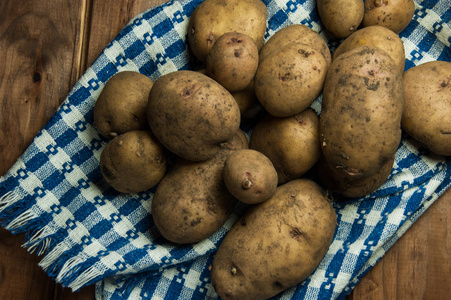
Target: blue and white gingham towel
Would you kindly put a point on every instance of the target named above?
(87, 233)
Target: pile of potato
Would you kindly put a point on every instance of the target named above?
(196, 116)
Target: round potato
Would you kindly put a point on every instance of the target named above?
(133, 162)
(341, 18)
(289, 79)
(122, 104)
(246, 97)
(394, 14)
(297, 33)
(291, 143)
(362, 105)
(377, 36)
(212, 18)
(275, 244)
(250, 176)
(192, 202)
(427, 109)
(233, 61)
(191, 114)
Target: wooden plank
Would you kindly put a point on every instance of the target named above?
(418, 266)
(39, 46)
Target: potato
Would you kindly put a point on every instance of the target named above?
(246, 97)
(427, 109)
(289, 79)
(233, 61)
(275, 244)
(250, 176)
(394, 14)
(192, 202)
(341, 18)
(191, 114)
(291, 143)
(133, 162)
(377, 36)
(122, 104)
(212, 18)
(296, 33)
(352, 188)
(362, 104)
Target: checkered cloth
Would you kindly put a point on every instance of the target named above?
(88, 233)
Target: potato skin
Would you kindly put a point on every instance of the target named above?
(289, 79)
(192, 202)
(233, 61)
(133, 162)
(291, 143)
(341, 18)
(250, 176)
(377, 36)
(213, 18)
(298, 33)
(122, 104)
(393, 14)
(362, 104)
(352, 188)
(191, 114)
(275, 244)
(427, 109)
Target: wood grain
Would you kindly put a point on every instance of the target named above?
(46, 45)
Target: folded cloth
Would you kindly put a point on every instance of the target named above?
(88, 233)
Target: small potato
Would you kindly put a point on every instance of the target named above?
(296, 33)
(233, 61)
(289, 79)
(362, 105)
(334, 182)
(192, 202)
(377, 36)
(291, 143)
(122, 104)
(393, 14)
(192, 114)
(341, 18)
(133, 162)
(276, 244)
(250, 176)
(212, 18)
(427, 109)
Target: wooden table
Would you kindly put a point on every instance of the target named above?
(45, 45)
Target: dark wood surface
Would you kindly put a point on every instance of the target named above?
(46, 45)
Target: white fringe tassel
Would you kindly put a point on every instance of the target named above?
(21, 220)
(8, 199)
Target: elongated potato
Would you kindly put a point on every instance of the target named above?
(362, 105)
(192, 202)
(276, 244)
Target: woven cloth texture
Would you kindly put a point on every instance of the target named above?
(87, 233)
